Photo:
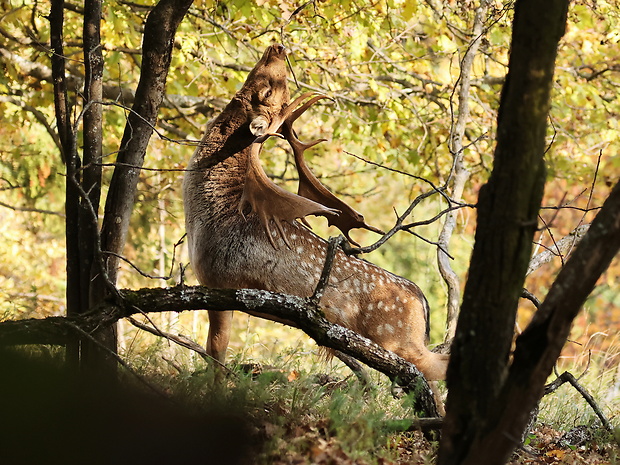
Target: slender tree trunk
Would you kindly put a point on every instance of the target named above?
(507, 219)
(72, 162)
(157, 45)
(158, 41)
(92, 358)
(459, 173)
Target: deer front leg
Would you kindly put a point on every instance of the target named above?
(220, 324)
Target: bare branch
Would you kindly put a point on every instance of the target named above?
(332, 248)
(38, 115)
(568, 377)
(31, 210)
(560, 248)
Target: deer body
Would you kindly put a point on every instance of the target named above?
(231, 249)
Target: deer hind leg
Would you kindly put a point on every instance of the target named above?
(220, 324)
(432, 365)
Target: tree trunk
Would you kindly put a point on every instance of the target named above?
(459, 174)
(158, 41)
(159, 33)
(91, 179)
(70, 157)
(507, 219)
(539, 346)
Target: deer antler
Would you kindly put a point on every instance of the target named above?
(311, 188)
(271, 202)
(268, 200)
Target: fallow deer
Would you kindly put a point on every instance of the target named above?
(231, 206)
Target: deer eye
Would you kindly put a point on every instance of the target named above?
(264, 94)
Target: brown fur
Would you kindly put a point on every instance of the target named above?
(231, 250)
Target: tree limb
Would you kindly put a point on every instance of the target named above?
(459, 174)
(567, 377)
(559, 248)
(59, 330)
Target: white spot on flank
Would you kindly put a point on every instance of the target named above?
(389, 328)
(371, 307)
(293, 236)
(380, 304)
(400, 323)
(380, 330)
(300, 250)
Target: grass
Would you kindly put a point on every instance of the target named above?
(304, 409)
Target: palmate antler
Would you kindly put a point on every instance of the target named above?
(311, 188)
(268, 200)
(271, 202)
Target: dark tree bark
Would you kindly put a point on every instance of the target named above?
(539, 346)
(508, 206)
(91, 171)
(158, 41)
(70, 157)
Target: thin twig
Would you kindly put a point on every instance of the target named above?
(332, 247)
(181, 340)
(531, 297)
(31, 210)
(146, 275)
(568, 377)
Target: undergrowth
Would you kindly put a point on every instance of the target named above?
(296, 408)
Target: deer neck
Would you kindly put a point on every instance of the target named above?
(227, 136)
(216, 173)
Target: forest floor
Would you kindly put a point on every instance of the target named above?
(167, 410)
(546, 447)
(320, 441)
(329, 419)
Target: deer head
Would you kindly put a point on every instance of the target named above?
(267, 88)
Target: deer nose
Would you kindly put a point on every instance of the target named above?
(279, 48)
